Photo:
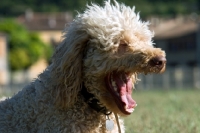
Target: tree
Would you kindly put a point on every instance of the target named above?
(146, 7)
(25, 48)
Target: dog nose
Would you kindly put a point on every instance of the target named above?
(158, 61)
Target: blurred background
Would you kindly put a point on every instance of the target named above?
(30, 30)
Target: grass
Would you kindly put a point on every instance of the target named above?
(172, 111)
(165, 112)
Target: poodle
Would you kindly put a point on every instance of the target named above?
(87, 87)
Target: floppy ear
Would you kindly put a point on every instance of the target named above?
(67, 66)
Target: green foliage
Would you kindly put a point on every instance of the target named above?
(25, 48)
(146, 7)
(18, 59)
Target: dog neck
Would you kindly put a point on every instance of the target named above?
(93, 102)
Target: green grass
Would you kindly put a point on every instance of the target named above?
(173, 111)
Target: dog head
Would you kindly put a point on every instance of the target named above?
(105, 48)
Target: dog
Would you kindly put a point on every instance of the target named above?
(87, 87)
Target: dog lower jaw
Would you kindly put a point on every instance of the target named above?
(119, 84)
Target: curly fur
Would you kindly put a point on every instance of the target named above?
(98, 41)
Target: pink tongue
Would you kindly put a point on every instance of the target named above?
(124, 85)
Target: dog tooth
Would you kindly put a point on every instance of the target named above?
(115, 88)
(113, 83)
(112, 79)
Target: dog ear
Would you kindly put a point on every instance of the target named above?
(67, 66)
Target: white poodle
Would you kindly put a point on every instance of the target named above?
(91, 78)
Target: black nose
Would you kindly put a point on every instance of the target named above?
(158, 61)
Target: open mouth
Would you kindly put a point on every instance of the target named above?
(120, 85)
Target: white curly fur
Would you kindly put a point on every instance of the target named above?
(98, 41)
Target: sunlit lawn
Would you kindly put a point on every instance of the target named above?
(173, 111)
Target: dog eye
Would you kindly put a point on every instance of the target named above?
(123, 47)
(124, 44)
